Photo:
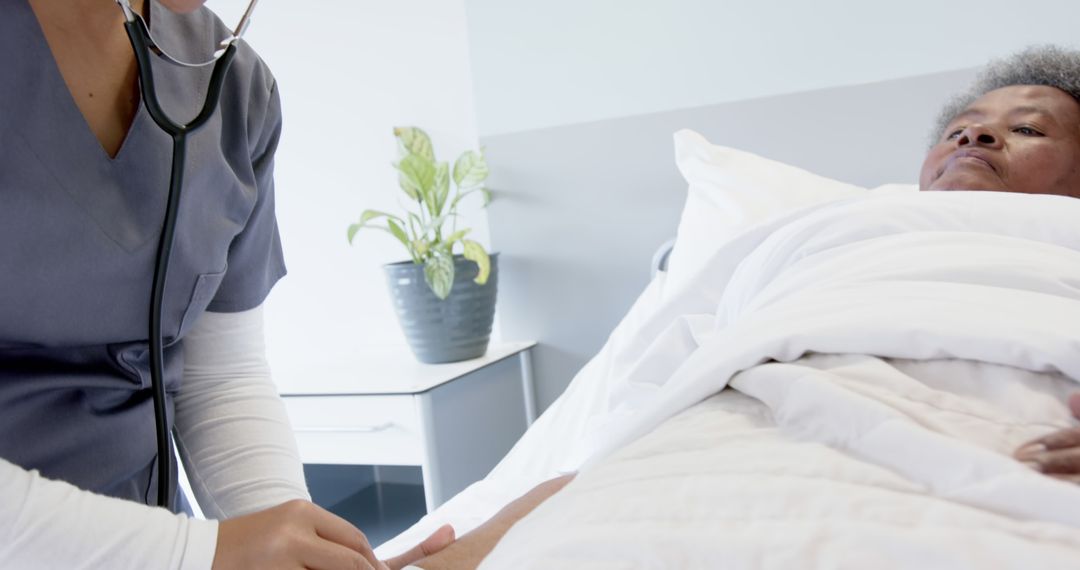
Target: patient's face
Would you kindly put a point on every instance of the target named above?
(1024, 138)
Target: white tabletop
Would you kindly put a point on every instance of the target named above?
(395, 370)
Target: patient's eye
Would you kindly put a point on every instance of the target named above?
(953, 133)
(1027, 131)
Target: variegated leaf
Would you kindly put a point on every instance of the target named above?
(414, 140)
(470, 170)
(439, 274)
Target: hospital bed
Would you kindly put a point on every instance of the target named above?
(827, 374)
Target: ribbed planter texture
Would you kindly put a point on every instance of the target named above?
(444, 330)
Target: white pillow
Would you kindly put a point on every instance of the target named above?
(731, 191)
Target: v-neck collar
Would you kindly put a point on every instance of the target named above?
(48, 59)
(125, 195)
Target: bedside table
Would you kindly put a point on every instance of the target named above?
(455, 421)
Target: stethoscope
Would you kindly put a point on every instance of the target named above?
(143, 43)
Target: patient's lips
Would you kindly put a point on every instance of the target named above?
(969, 157)
(969, 169)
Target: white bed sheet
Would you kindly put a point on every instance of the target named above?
(973, 277)
(724, 485)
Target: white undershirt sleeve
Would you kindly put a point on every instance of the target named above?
(47, 524)
(233, 434)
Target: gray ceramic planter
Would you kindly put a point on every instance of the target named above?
(444, 330)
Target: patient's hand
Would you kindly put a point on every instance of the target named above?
(438, 541)
(468, 551)
(1057, 454)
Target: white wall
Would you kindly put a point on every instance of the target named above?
(348, 73)
(541, 64)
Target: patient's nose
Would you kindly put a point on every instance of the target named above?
(978, 135)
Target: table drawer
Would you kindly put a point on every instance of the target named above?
(358, 430)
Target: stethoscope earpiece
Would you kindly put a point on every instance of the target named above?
(134, 18)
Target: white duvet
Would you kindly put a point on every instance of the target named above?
(884, 356)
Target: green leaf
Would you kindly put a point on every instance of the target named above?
(407, 182)
(475, 252)
(415, 224)
(353, 228)
(439, 274)
(399, 233)
(368, 215)
(470, 170)
(441, 188)
(417, 176)
(456, 236)
(413, 140)
(365, 217)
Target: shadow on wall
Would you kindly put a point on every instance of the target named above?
(554, 299)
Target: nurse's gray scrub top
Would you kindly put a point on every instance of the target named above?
(78, 239)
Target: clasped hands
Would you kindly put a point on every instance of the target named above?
(1057, 454)
(301, 535)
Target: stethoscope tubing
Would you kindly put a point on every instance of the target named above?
(178, 132)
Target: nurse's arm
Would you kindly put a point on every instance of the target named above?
(241, 457)
(53, 524)
(233, 434)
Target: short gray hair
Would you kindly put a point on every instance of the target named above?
(1048, 65)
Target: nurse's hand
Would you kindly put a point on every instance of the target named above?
(299, 534)
(1057, 454)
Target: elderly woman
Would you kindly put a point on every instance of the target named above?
(1018, 130)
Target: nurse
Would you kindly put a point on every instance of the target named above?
(83, 177)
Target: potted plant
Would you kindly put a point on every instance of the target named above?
(445, 302)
